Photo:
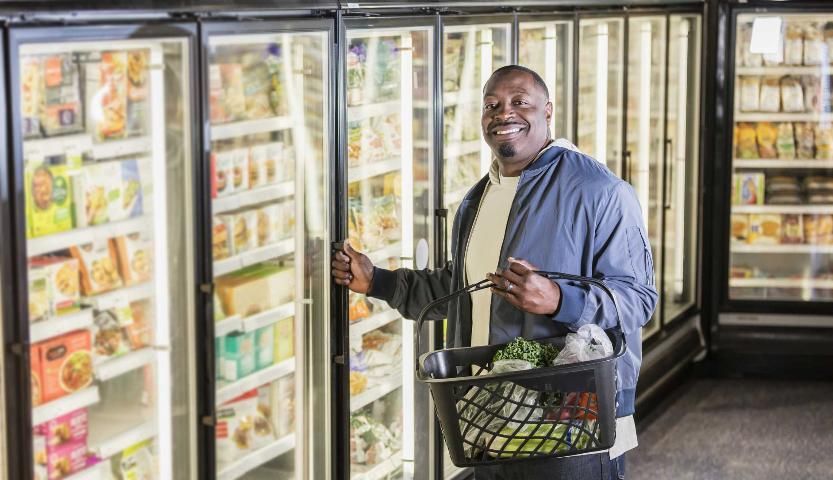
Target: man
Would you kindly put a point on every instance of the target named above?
(541, 207)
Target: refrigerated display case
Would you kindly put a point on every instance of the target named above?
(546, 46)
(268, 103)
(389, 92)
(103, 159)
(781, 237)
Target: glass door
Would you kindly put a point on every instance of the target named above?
(389, 145)
(600, 95)
(103, 151)
(679, 258)
(646, 126)
(547, 48)
(269, 136)
(781, 245)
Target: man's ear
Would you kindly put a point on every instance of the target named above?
(548, 109)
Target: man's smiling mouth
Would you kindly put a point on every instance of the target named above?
(506, 130)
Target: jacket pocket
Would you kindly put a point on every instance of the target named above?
(640, 256)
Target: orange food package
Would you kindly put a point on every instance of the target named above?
(134, 252)
(37, 375)
(66, 364)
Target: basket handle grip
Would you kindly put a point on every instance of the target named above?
(488, 284)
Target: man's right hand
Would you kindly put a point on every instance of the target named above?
(352, 269)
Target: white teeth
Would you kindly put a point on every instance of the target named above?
(505, 132)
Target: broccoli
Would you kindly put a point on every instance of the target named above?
(538, 354)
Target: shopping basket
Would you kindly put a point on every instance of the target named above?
(495, 418)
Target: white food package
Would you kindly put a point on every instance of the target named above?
(590, 342)
(750, 93)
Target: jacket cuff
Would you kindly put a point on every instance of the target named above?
(572, 302)
(383, 285)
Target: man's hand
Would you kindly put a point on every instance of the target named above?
(352, 269)
(525, 289)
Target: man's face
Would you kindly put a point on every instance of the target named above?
(516, 115)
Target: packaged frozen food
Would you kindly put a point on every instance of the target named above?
(233, 97)
(812, 93)
(255, 289)
(765, 229)
(287, 165)
(792, 229)
(223, 169)
(39, 302)
(792, 95)
(359, 308)
(98, 194)
(354, 144)
(264, 347)
(284, 339)
(36, 373)
(39, 455)
(746, 143)
(277, 93)
(216, 105)
(48, 200)
(770, 95)
(287, 226)
(269, 223)
(793, 44)
(370, 441)
(98, 266)
(136, 462)
(804, 139)
(356, 61)
(62, 281)
(239, 356)
(782, 183)
(31, 93)
(61, 109)
(137, 91)
(131, 189)
(220, 238)
(785, 142)
(66, 364)
(240, 168)
(744, 51)
(241, 427)
(784, 198)
(135, 254)
(66, 459)
(767, 135)
(820, 197)
(740, 227)
(824, 141)
(257, 166)
(107, 95)
(283, 404)
(814, 48)
(243, 227)
(818, 229)
(138, 331)
(750, 93)
(66, 428)
(257, 87)
(818, 182)
(274, 158)
(109, 335)
(390, 129)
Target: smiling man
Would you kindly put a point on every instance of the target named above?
(545, 206)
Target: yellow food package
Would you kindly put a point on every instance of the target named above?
(135, 253)
(99, 271)
(284, 339)
(255, 289)
(765, 229)
(48, 200)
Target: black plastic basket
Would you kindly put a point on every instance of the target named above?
(490, 419)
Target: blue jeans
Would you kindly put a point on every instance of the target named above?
(583, 467)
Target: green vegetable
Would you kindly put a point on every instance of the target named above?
(539, 438)
(538, 354)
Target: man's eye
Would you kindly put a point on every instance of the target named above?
(488, 106)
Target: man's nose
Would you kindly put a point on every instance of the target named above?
(504, 112)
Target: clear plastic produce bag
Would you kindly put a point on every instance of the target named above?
(590, 342)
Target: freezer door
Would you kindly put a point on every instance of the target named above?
(5, 303)
(269, 157)
(547, 48)
(781, 239)
(600, 95)
(389, 86)
(681, 212)
(103, 157)
(646, 128)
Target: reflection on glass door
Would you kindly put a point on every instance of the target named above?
(388, 200)
(106, 159)
(547, 48)
(600, 98)
(681, 164)
(268, 110)
(645, 126)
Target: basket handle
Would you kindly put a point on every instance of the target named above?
(488, 284)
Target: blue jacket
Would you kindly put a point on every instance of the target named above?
(570, 214)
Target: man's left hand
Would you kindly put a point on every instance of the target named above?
(525, 289)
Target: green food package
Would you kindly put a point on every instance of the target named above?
(48, 200)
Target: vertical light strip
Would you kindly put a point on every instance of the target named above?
(162, 313)
(485, 45)
(407, 191)
(643, 160)
(551, 67)
(600, 150)
(678, 201)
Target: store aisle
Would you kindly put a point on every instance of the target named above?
(739, 430)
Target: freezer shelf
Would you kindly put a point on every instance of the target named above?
(458, 149)
(375, 392)
(253, 197)
(56, 408)
(784, 70)
(362, 112)
(257, 458)
(373, 322)
(781, 283)
(51, 146)
(115, 433)
(798, 248)
(253, 322)
(783, 117)
(59, 325)
(789, 164)
(257, 255)
(792, 209)
(231, 390)
(96, 472)
(108, 300)
(128, 362)
(80, 236)
(250, 127)
(381, 470)
(374, 169)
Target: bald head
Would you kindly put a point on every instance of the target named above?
(508, 69)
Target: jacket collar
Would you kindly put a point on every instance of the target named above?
(546, 157)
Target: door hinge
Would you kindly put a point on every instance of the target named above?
(17, 349)
(339, 359)
(207, 288)
(208, 420)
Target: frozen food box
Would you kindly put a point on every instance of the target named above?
(61, 111)
(283, 405)
(99, 267)
(67, 428)
(48, 200)
(223, 168)
(139, 332)
(38, 294)
(36, 372)
(268, 224)
(138, 69)
(216, 106)
(240, 168)
(274, 160)
(220, 238)
(66, 459)
(258, 175)
(107, 96)
(241, 427)
(287, 227)
(136, 462)
(243, 229)
(255, 289)
(233, 97)
(765, 229)
(239, 356)
(792, 229)
(740, 227)
(131, 186)
(818, 229)
(135, 254)
(66, 364)
(31, 93)
(62, 281)
(257, 84)
(265, 347)
(284, 339)
(98, 194)
(109, 336)
(749, 189)
(39, 453)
